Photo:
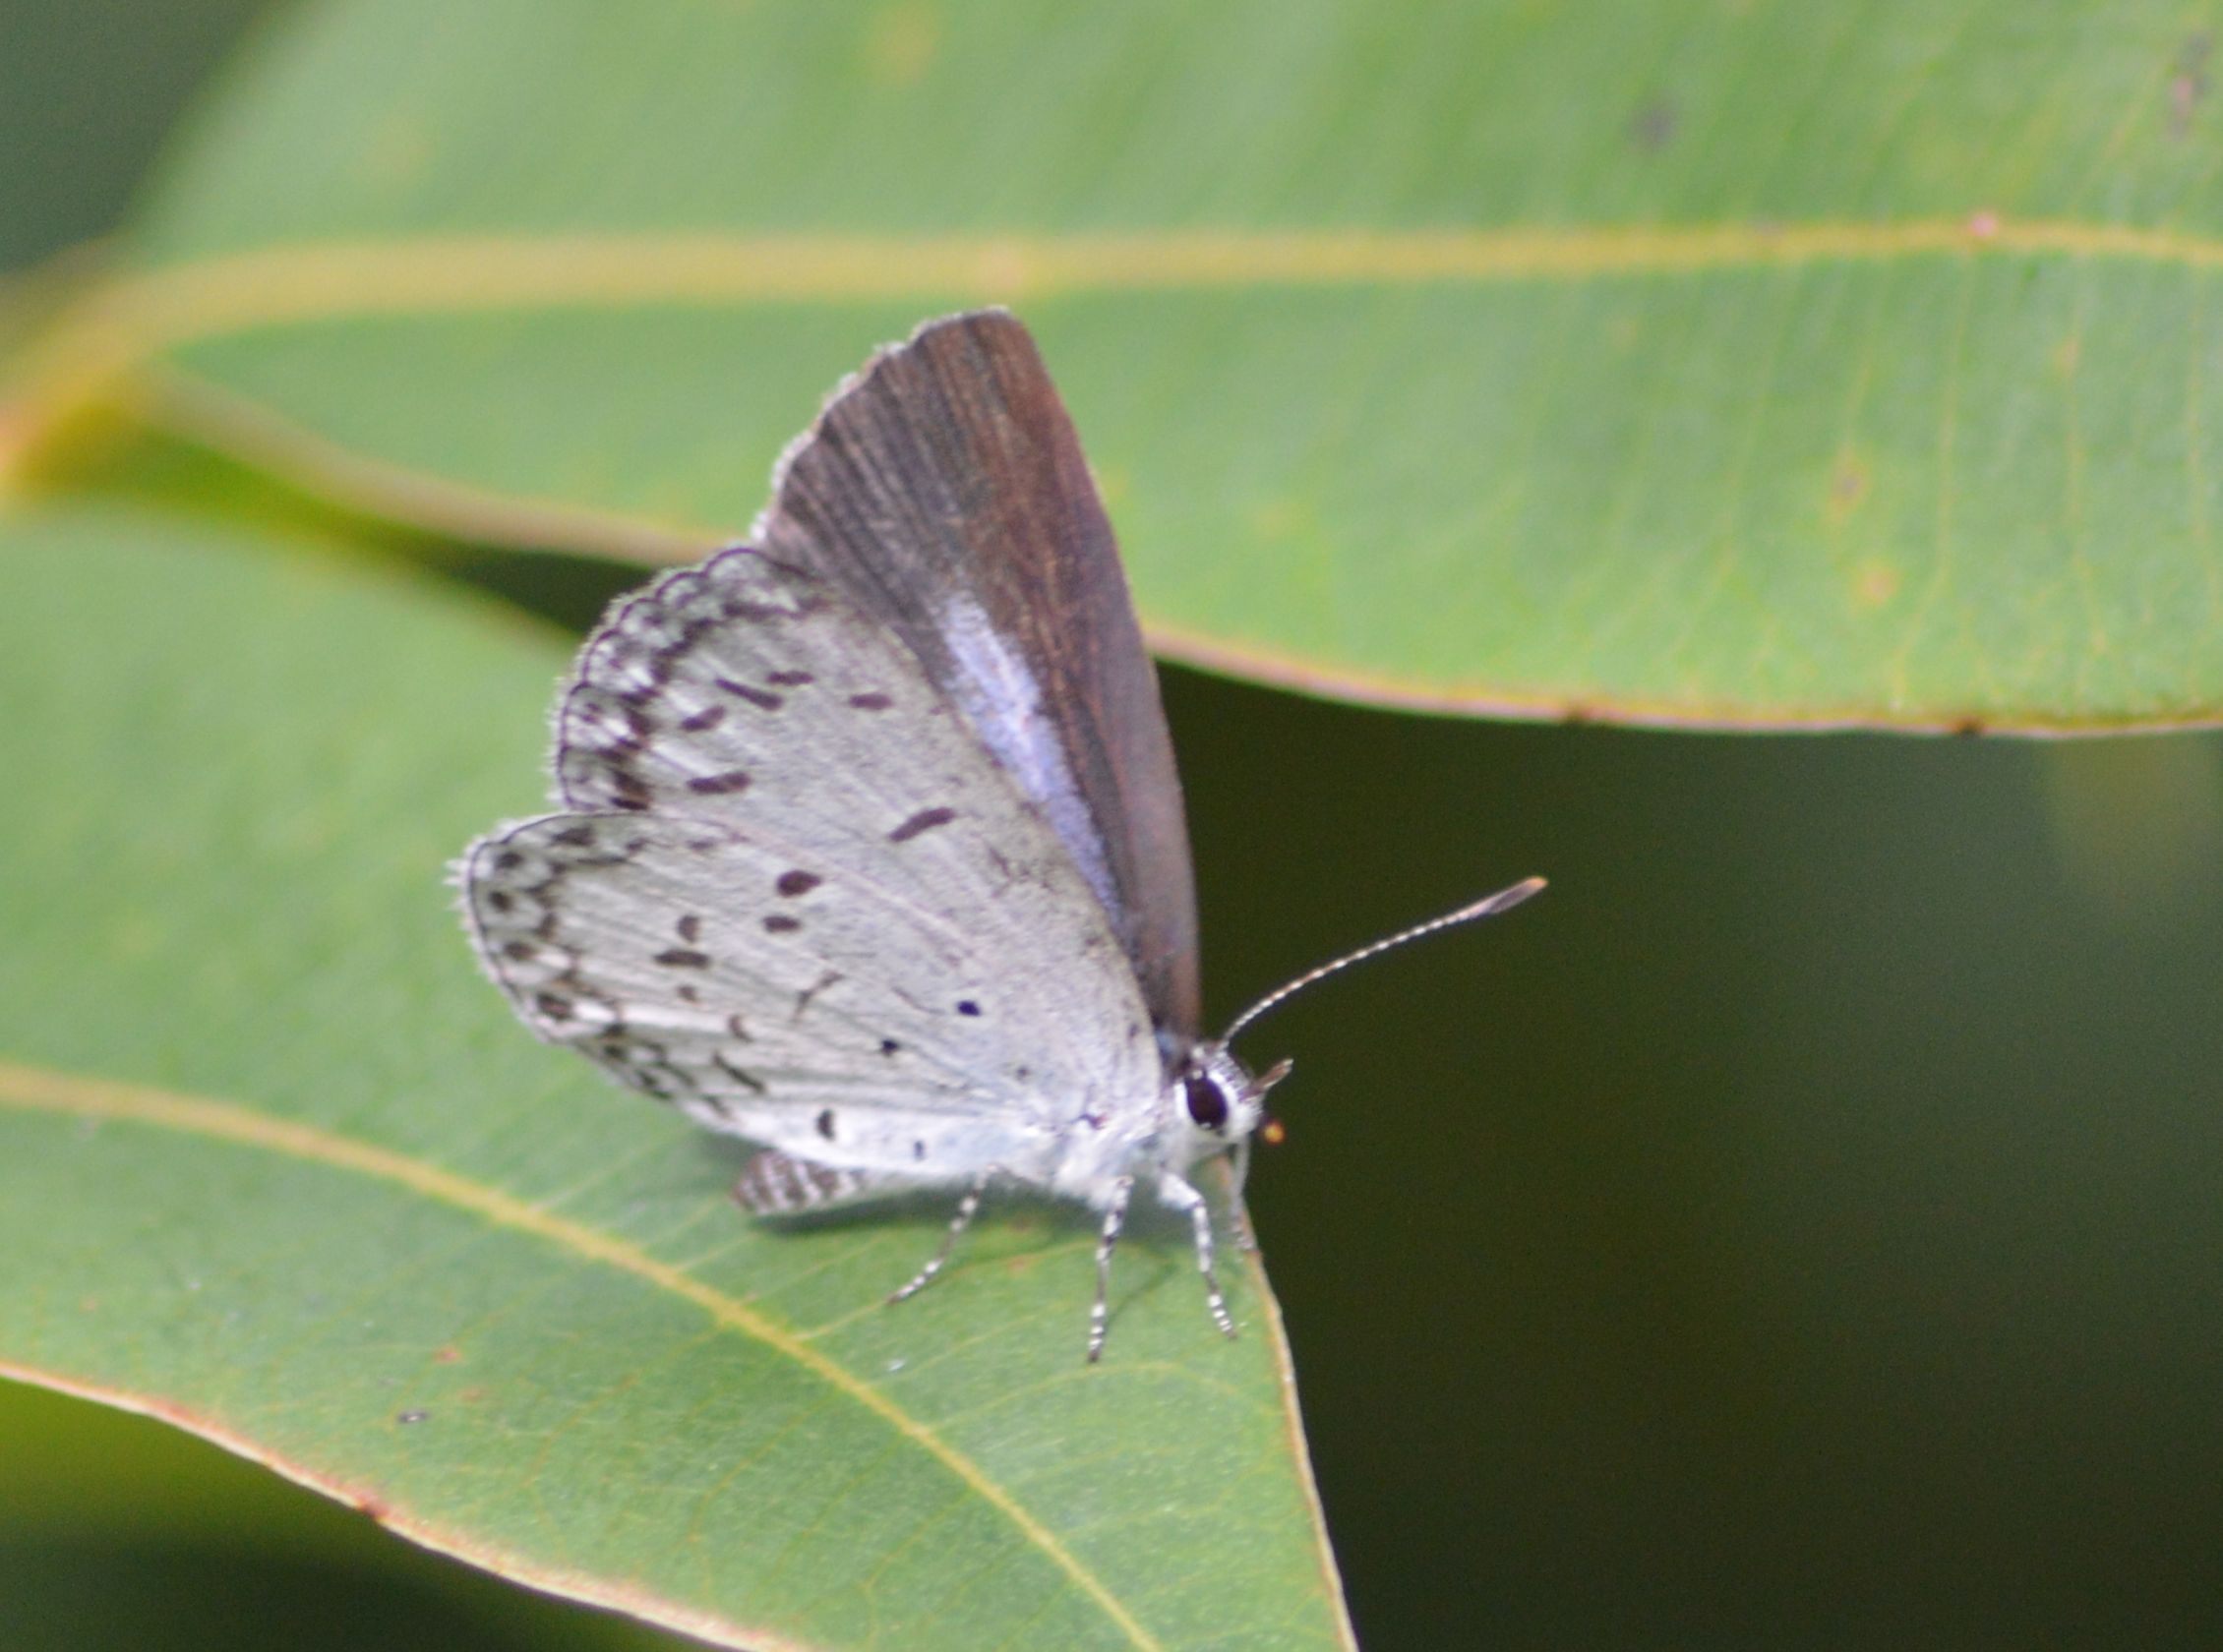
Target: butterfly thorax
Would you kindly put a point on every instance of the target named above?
(1207, 1103)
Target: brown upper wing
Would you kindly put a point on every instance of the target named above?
(945, 493)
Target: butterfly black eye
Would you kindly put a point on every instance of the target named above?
(1207, 1102)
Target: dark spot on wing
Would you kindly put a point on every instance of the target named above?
(720, 785)
(790, 678)
(966, 1007)
(825, 1124)
(689, 927)
(926, 821)
(555, 1006)
(521, 951)
(509, 861)
(918, 1149)
(499, 900)
(747, 1080)
(688, 994)
(888, 1046)
(741, 608)
(779, 923)
(580, 835)
(682, 958)
(792, 884)
(803, 998)
(761, 698)
(733, 1025)
(871, 702)
(709, 717)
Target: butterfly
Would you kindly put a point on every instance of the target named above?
(869, 845)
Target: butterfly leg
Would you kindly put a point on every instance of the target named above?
(1238, 1217)
(1099, 1313)
(967, 1209)
(1178, 1194)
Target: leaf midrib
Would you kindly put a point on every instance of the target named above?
(199, 299)
(45, 1090)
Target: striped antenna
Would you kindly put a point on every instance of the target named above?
(1487, 907)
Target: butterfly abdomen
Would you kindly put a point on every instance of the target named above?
(774, 1184)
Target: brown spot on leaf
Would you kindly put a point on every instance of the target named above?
(2187, 86)
(1651, 127)
(1850, 483)
(1875, 582)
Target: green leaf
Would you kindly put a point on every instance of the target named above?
(1686, 363)
(276, 1165)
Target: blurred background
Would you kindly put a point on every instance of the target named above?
(1802, 1226)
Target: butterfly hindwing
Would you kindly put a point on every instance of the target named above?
(831, 1016)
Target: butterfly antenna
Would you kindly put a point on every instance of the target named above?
(1487, 907)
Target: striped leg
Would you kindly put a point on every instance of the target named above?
(1181, 1195)
(967, 1209)
(1115, 1218)
(1238, 1215)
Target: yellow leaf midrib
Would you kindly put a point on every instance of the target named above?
(44, 1090)
(291, 284)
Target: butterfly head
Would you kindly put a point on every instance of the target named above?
(1215, 1102)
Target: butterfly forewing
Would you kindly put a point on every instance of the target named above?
(945, 495)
